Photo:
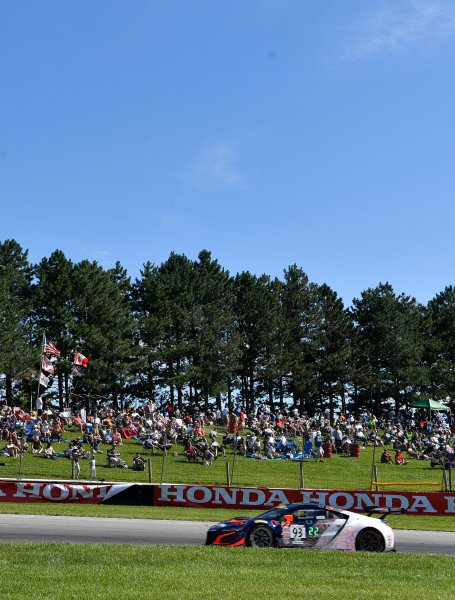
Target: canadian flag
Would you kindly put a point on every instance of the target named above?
(80, 359)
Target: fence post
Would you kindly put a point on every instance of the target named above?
(228, 478)
(376, 475)
(149, 465)
(233, 460)
(301, 476)
(444, 478)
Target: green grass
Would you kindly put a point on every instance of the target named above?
(67, 572)
(339, 472)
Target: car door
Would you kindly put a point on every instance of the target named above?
(305, 527)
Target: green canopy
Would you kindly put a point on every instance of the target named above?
(431, 404)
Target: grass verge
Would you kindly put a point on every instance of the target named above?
(67, 572)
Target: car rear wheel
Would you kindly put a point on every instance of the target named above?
(370, 540)
(261, 536)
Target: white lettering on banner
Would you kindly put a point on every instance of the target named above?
(389, 498)
(81, 491)
(310, 497)
(167, 492)
(247, 493)
(362, 500)
(422, 502)
(376, 499)
(191, 495)
(102, 490)
(277, 496)
(30, 490)
(1, 493)
(349, 500)
(63, 495)
(223, 495)
(450, 504)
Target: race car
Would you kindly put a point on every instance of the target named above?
(307, 526)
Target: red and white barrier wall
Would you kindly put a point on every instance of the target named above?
(209, 496)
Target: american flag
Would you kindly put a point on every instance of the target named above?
(49, 348)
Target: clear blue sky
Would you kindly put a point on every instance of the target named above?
(270, 132)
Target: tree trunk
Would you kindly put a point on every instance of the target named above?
(60, 390)
(331, 404)
(67, 391)
(9, 390)
(229, 398)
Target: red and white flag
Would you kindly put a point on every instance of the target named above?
(49, 347)
(47, 366)
(80, 359)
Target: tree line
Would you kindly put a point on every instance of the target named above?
(187, 332)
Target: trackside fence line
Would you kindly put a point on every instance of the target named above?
(377, 484)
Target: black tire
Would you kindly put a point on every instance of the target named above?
(261, 536)
(370, 540)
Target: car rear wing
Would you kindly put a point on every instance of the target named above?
(377, 510)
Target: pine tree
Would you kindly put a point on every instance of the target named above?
(300, 352)
(440, 344)
(53, 292)
(214, 344)
(103, 330)
(332, 339)
(17, 355)
(389, 348)
(258, 313)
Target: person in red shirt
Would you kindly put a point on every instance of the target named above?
(242, 418)
(399, 458)
(386, 457)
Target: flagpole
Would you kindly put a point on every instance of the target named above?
(39, 371)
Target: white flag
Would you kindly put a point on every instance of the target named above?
(43, 380)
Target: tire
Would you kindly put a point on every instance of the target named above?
(370, 540)
(261, 536)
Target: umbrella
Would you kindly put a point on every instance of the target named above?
(430, 404)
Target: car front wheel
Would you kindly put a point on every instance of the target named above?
(370, 540)
(261, 536)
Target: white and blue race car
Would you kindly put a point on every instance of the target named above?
(308, 526)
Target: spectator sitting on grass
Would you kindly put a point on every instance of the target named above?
(49, 451)
(138, 462)
(117, 438)
(271, 452)
(12, 449)
(208, 457)
(96, 444)
(386, 457)
(399, 458)
(37, 447)
(113, 456)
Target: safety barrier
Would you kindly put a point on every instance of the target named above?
(377, 484)
(213, 496)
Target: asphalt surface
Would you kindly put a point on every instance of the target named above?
(92, 530)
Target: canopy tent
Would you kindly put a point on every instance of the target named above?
(430, 404)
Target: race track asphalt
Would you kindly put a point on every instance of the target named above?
(92, 530)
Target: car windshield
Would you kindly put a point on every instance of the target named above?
(276, 513)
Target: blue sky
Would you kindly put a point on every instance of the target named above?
(269, 132)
